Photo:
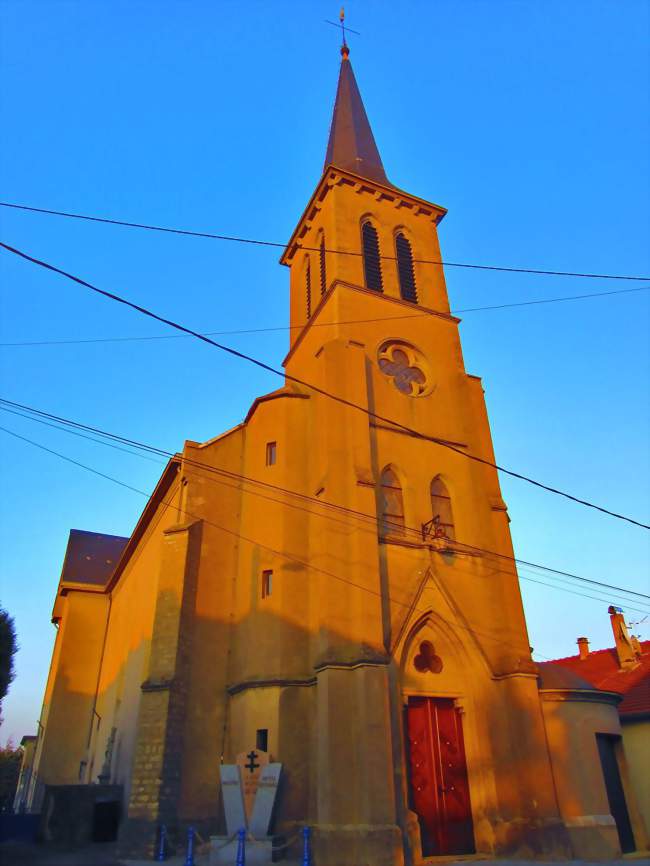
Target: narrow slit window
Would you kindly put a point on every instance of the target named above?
(371, 258)
(267, 583)
(262, 739)
(405, 270)
(323, 269)
(271, 453)
(391, 504)
(308, 287)
(443, 518)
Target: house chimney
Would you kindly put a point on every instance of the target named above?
(636, 646)
(624, 649)
(583, 647)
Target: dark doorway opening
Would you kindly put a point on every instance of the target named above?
(439, 786)
(607, 747)
(106, 820)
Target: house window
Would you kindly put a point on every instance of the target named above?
(443, 518)
(267, 583)
(371, 258)
(262, 739)
(271, 453)
(405, 269)
(323, 271)
(391, 504)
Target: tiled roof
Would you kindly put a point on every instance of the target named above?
(554, 676)
(601, 668)
(91, 557)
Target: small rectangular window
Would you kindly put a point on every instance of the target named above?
(262, 739)
(267, 583)
(271, 453)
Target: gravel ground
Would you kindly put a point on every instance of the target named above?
(103, 854)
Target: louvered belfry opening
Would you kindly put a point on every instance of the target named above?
(371, 259)
(308, 286)
(405, 270)
(323, 271)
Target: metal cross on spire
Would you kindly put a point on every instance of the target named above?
(342, 27)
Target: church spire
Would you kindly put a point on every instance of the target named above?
(351, 143)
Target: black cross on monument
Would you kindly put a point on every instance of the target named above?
(342, 26)
(251, 766)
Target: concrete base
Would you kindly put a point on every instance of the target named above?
(357, 845)
(594, 837)
(532, 839)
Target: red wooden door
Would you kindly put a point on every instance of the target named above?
(439, 786)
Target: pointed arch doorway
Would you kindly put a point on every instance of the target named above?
(438, 776)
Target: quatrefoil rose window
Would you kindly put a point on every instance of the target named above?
(405, 365)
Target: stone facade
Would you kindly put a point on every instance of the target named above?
(327, 568)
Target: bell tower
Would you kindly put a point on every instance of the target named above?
(360, 230)
(432, 620)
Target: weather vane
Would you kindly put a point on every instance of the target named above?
(342, 27)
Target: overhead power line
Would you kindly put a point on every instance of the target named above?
(318, 390)
(308, 566)
(320, 324)
(281, 245)
(64, 423)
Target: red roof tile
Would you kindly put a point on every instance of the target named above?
(601, 669)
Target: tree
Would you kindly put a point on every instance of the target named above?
(10, 762)
(8, 649)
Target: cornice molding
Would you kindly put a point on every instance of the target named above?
(273, 683)
(333, 176)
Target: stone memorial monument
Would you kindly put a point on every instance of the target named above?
(249, 788)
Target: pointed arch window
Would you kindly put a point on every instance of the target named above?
(371, 257)
(443, 518)
(308, 286)
(405, 270)
(323, 271)
(391, 504)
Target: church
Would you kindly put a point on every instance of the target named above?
(332, 583)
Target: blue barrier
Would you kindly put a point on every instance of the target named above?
(161, 854)
(306, 846)
(241, 848)
(189, 860)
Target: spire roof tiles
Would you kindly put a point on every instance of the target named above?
(351, 143)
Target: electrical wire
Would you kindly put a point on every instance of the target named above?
(312, 324)
(282, 554)
(346, 511)
(318, 390)
(280, 245)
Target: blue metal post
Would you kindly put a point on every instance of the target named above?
(161, 856)
(241, 848)
(189, 860)
(306, 846)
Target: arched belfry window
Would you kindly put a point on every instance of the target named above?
(405, 270)
(391, 504)
(371, 258)
(308, 286)
(323, 271)
(443, 518)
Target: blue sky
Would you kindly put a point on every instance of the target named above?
(527, 120)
